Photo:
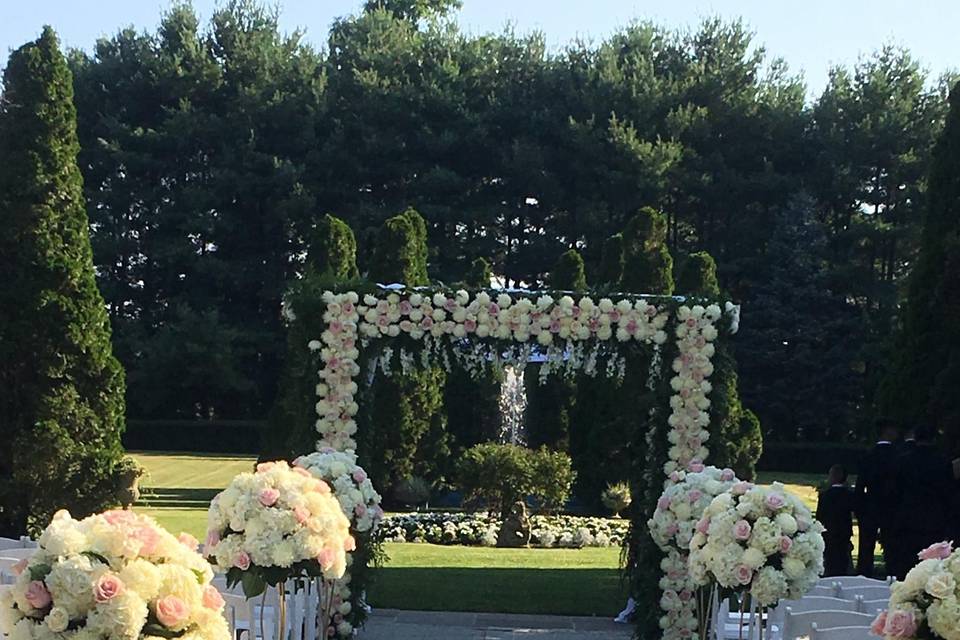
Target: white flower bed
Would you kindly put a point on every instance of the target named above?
(474, 529)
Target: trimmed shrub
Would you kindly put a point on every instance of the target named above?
(568, 274)
(647, 264)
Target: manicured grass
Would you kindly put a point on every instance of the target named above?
(454, 578)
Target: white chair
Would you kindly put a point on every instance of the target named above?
(840, 633)
(824, 590)
(10, 543)
(18, 553)
(799, 624)
(7, 574)
(239, 615)
(820, 603)
(28, 543)
(867, 593)
(874, 606)
(848, 582)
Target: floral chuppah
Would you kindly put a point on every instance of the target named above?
(356, 335)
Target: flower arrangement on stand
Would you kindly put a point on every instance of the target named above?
(277, 524)
(757, 541)
(926, 605)
(687, 609)
(114, 576)
(361, 504)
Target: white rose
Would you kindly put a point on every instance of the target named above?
(787, 523)
(941, 585)
(58, 619)
(503, 301)
(793, 568)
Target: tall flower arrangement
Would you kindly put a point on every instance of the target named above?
(679, 508)
(114, 576)
(276, 524)
(361, 505)
(761, 540)
(926, 605)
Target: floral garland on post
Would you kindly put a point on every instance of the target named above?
(361, 504)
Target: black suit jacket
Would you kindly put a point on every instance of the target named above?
(876, 485)
(925, 488)
(835, 508)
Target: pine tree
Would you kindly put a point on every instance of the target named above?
(647, 264)
(923, 385)
(62, 407)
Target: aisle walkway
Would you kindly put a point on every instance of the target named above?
(391, 624)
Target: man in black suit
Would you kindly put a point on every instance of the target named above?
(835, 507)
(924, 499)
(875, 493)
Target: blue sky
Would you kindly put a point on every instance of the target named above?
(811, 35)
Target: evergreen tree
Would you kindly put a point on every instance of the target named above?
(568, 273)
(611, 262)
(333, 249)
(698, 276)
(479, 275)
(923, 385)
(400, 253)
(62, 407)
(647, 264)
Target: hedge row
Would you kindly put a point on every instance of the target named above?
(208, 436)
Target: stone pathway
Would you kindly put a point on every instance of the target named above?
(391, 624)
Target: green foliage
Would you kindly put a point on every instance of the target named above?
(333, 249)
(413, 491)
(647, 264)
(736, 440)
(568, 274)
(479, 275)
(499, 475)
(62, 407)
(698, 276)
(400, 254)
(928, 355)
(549, 405)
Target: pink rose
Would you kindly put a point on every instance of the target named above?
(107, 587)
(265, 466)
(149, 538)
(685, 595)
(774, 501)
(360, 510)
(172, 612)
(694, 495)
(696, 466)
(937, 551)
(213, 539)
(319, 486)
(326, 558)
(900, 624)
(188, 541)
(349, 544)
(703, 525)
(741, 530)
(672, 528)
(212, 598)
(878, 624)
(727, 475)
(269, 496)
(119, 517)
(300, 471)
(744, 574)
(785, 544)
(663, 503)
(19, 566)
(359, 476)
(37, 595)
(242, 561)
(302, 514)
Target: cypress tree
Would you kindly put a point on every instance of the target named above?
(332, 249)
(400, 251)
(698, 276)
(923, 383)
(568, 274)
(479, 274)
(62, 406)
(647, 264)
(611, 261)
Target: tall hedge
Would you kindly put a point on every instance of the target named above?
(647, 263)
(400, 250)
(568, 273)
(611, 262)
(923, 384)
(698, 276)
(62, 404)
(331, 259)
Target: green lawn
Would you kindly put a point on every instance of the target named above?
(178, 487)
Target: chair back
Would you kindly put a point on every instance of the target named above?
(10, 543)
(799, 624)
(874, 606)
(239, 615)
(840, 633)
(867, 593)
(18, 553)
(845, 582)
(820, 603)
(7, 575)
(823, 590)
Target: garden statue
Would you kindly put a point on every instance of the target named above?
(515, 530)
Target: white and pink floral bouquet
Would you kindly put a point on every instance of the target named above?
(115, 576)
(926, 605)
(680, 507)
(361, 504)
(760, 539)
(278, 523)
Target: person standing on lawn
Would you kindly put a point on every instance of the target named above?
(835, 507)
(875, 492)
